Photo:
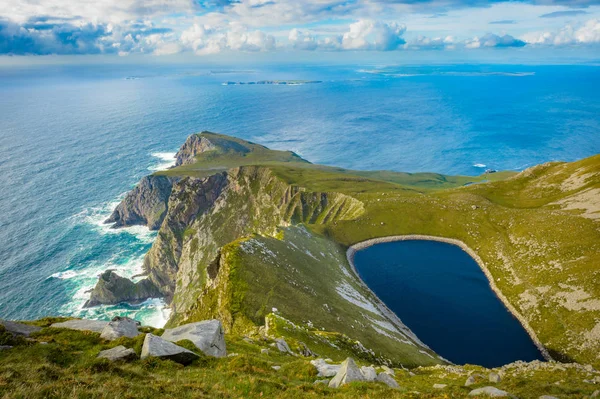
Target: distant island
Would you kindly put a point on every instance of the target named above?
(274, 82)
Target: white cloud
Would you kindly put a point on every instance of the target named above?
(373, 35)
(492, 40)
(589, 33)
(203, 40)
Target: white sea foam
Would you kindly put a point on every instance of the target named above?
(167, 160)
(480, 165)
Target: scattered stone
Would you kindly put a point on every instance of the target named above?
(19, 328)
(118, 353)
(439, 386)
(596, 394)
(494, 377)
(348, 372)
(157, 347)
(248, 340)
(264, 351)
(233, 354)
(369, 373)
(5, 347)
(388, 380)
(325, 369)
(388, 370)
(490, 391)
(120, 327)
(208, 336)
(283, 346)
(411, 374)
(82, 325)
(324, 382)
(547, 397)
(305, 351)
(276, 368)
(472, 379)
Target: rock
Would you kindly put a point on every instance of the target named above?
(157, 347)
(19, 328)
(369, 373)
(439, 386)
(547, 397)
(248, 340)
(118, 353)
(82, 325)
(208, 336)
(5, 347)
(145, 205)
(494, 377)
(112, 289)
(283, 346)
(489, 391)
(596, 394)
(305, 351)
(264, 351)
(348, 372)
(325, 369)
(473, 379)
(276, 368)
(120, 327)
(324, 382)
(388, 370)
(388, 380)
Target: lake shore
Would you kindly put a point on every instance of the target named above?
(350, 253)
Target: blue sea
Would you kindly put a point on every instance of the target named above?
(75, 138)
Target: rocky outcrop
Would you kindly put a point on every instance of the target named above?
(208, 336)
(194, 145)
(118, 354)
(348, 372)
(82, 325)
(145, 205)
(18, 328)
(388, 380)
(325, 369)
(112, 289)
(283, 346)
(157, 347)
(491, 392)
(120, 327)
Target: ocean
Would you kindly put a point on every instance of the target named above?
(75, 138)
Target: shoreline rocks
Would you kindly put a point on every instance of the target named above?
(112, 289)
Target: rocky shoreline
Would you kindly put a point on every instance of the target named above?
(365, 244)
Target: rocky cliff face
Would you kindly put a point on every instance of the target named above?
(112, 289)
(146, 204)
(194, 145)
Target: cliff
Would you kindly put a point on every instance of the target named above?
(247, 230)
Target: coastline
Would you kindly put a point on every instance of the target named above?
(367, 243)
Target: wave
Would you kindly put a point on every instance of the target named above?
(167, 161)
(480, 165)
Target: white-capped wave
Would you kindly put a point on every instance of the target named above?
(167, 160)
(480, 165)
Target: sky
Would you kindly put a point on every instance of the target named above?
(300, 28)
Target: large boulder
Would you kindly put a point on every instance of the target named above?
(494, 377)
(348, 372)
(474, 379)
(157, 347)
(118, 353)
(112, 289)
(19, 328)
(492, 392)
(369, 373)
(208, 336)
(82, 325)
(283, 346)
(120, 327)
(388, 380)
(325, 369)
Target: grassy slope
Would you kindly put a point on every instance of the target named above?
(66, 366)
(544, 259)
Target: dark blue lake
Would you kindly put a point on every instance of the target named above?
(442, 295)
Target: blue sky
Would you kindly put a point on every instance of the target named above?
(309, 28)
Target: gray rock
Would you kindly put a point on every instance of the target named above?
(283, 346)
(118, 353)
(305, 350)
(5, 347)
(157, 347)
(264, 351)
(276, 368)
(369, 373)
(596, 394)
(19, 328)
(388, 380)
(112, 289)
(324, 382)
(494, 377)
(193, 146)
(492, 392)
(348, 372)
(547, 397)
(325, 369)
(146, 204)
(439, 386)
(82, 325)
(208, 336)
(473, 379)
(120, 327)
(388, 370)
